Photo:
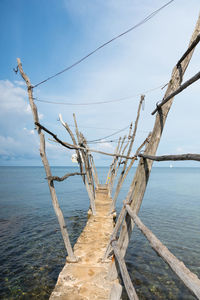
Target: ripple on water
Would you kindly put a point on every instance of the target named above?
(32, 251)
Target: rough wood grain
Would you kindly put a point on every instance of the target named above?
(113, 170)
(189, 279)
(85, 162)
(178, 91)
(123, 210)
(190, 48)
(47, 167)
(124, 272)
(94, 171)
(139, 183)
(187, 156)
(116, 292)
(120, 181)
(57, 178)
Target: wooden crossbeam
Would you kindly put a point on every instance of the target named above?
(187, 156)
(178, 91)
(189, 279)
(57, 178)
(73, 147)
(58, 211)
(190, 48)
(124, 272)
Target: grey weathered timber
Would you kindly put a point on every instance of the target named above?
(88, 179)
(178, 91)
(87, 162)
(112, 164)
(123, 210)
(190, 48)
(139, 183)
(120, 181)
(187, 156)
(125, 276)
(73, 147)
(74, 143)
(120, 160)
(113, 170)
(134, 159)
(129, 136)
(189, 279)
(45, 162)
(80, 160)
(57, 178)
(94, 171)
(116, 292)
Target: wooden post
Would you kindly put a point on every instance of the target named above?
(87, 161)
(74, 143)
(118, 165)
(71, 256)
(178, 91)
(111, 166)
(179, 157)
(112, 175)
(189, 279)
(123, 210)
(88, 182)
(142, 174)
(120, 181)
(94, 171)
(124, 272)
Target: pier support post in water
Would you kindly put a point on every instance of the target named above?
(61, 220)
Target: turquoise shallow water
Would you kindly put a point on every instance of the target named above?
(32, 252)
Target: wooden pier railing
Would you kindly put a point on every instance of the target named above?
(115, 238)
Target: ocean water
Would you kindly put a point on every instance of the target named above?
(32, 251)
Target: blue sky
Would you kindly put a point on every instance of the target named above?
(50, 35)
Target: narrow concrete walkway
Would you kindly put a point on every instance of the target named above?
(87, 279)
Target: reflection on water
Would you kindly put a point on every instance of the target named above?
(32, 252)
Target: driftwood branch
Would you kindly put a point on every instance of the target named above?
(124, 272)
(141, 177)
(121, 152)
(92, 150)
(84, 158)
(190, 48)
(123, 210)
(56, 178)
(68, 129)
(179, 90)
(66, 145)
(59, 214)
(94, 170)
(189, 279)
(187, 156)
(114, 165)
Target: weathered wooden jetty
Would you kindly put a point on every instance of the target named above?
(94, 263)
(88, 278)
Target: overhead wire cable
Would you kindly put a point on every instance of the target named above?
(105, 44)
(99, 102)
(109, 135)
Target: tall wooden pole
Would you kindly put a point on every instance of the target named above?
(88, 183)
(142, 174)
(71, 256)
(120, 181)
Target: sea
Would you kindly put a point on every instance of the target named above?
(32, 252)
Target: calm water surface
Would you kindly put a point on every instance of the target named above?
(32, 252)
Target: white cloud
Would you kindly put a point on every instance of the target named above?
(13, 99)
(20, 83)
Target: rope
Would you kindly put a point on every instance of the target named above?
(105, 44)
